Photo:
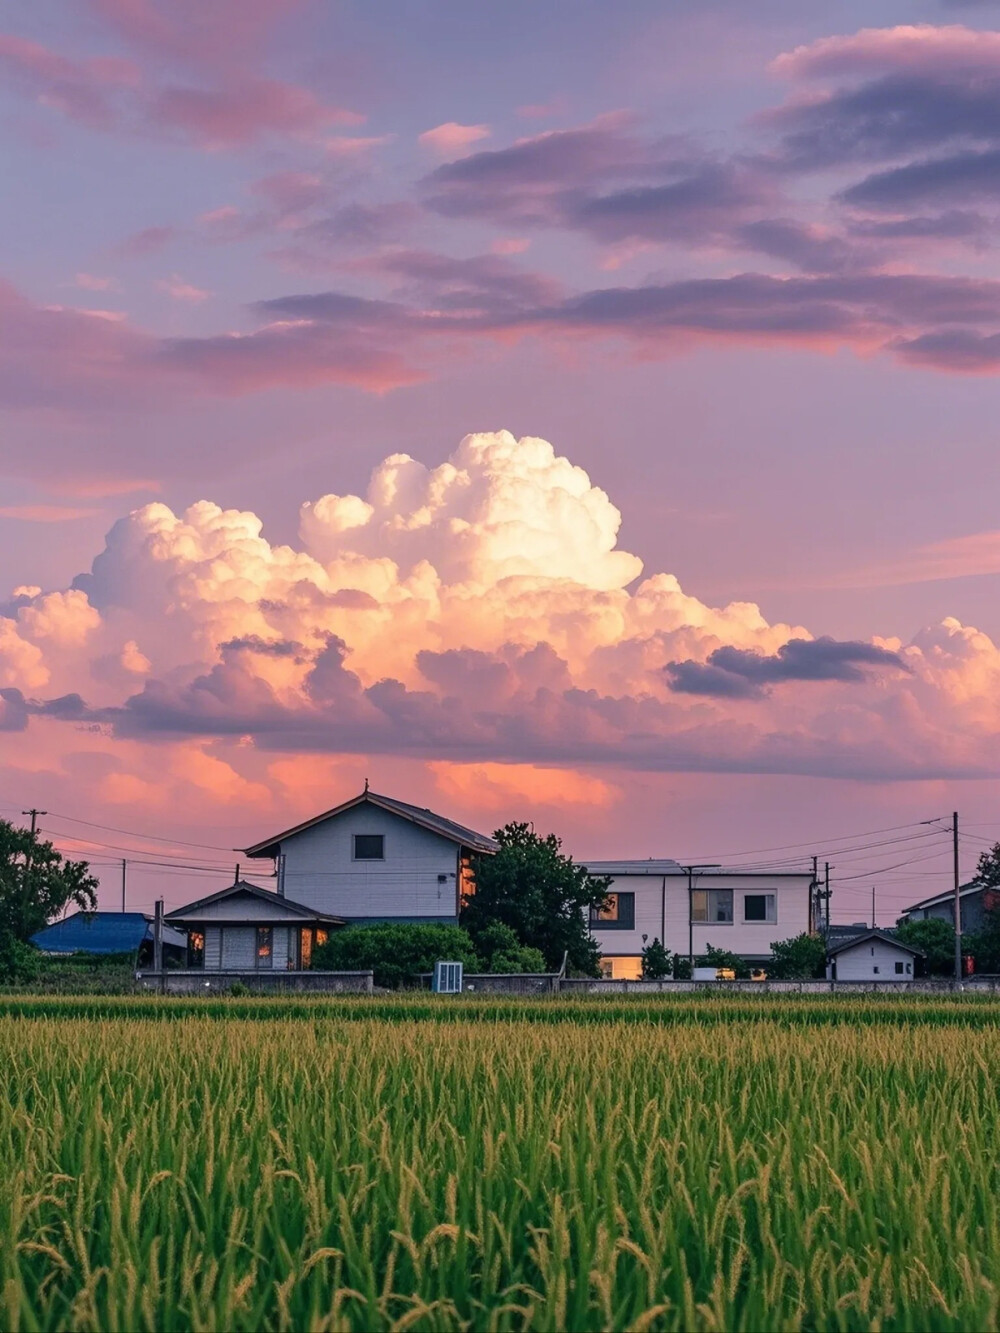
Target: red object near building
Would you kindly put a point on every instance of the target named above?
(968, 965)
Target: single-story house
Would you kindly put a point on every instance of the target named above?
(109, 933)
(688, 909)
(975, 899)
(374, 858)
(874, 956)
(245, 928)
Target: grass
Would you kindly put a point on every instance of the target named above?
(688, 1163)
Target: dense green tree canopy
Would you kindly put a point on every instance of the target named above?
(543, 895)
(36, 883)
(936, 941)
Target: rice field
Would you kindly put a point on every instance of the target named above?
(426, 1163)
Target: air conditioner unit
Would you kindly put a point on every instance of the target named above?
(448, 978)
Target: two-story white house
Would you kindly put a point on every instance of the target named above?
(690, 908)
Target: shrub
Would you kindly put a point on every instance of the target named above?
(682, 967)
(19, 962)
(656, 962)
(799, 958)
(936, 941)
(501, 951)
(731, 962)
(396, 952)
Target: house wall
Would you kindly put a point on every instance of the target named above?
(239, 946)
(662, 911)
(859, 961)
(213, 948)
(320, 872)
(973, 911)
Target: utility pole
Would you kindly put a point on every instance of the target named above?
(813, 924)
(958, 900)
(34, 818)
(124, 866)
(826, 893)
(158, 937)
(874, 922)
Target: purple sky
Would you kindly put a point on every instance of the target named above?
(737, 263)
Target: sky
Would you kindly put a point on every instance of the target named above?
(583, 415)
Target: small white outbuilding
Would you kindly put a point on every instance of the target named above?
(873, 956)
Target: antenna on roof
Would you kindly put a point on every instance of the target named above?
(366, 784)
(236, 879)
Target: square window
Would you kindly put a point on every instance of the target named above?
(713, 906)
(619, 914)
(369, 847)
(899, 969)
(759, 907)
(875, 968)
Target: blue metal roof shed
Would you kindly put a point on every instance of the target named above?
(103, 932)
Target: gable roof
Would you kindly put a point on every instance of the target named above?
(101, 932)
(190, 911)
(445, 828)
(948, 896)
(867, 935)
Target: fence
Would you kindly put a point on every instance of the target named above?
(196, 981)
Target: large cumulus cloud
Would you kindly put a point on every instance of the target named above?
(478, 611)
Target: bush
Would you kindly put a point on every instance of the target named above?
(731, 962)
(798, 959)
(682, 967)
(501, 951)
(19, 962)
(656, 962)
(397, 952)
(936, 941)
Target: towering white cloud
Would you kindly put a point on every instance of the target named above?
(479, 609)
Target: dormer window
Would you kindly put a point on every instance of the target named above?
(369, 846)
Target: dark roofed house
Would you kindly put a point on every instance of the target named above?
(374, 858)
(108, 933)
(976, 901)
(244, 928)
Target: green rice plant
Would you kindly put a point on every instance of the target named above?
(679, 1163)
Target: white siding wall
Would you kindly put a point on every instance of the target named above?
(859, 962)
(320, 871)
(239, 946)
(747, 938)
(213, 947)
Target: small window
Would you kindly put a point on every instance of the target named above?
(909, 967)
(196, 949)
(875, 968)
(263, 943)
(619, 914)
(759, 907)
(714, 906)
(369, 847)
(899, 969)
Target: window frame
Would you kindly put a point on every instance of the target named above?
(707, 919)
(616, 922)
(264, 941)
(770, 901)
(354, 846)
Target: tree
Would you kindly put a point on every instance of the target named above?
(935, 939)
(984, 944)
(397, 952)
(798, 959)
(656, 962)
(541, 894)
(35, 885)
(501, 951)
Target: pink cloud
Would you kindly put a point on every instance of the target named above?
(346, 147)
(178, 290)
(45, 513)
(84, 90)
(149, 241)
(451, 139)
(243, 110)
(90, 282)
(510, 245)
(923, 47)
